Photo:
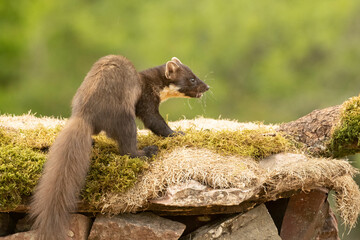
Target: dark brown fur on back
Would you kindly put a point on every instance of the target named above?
(112, 94)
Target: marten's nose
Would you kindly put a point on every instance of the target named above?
(207, 88)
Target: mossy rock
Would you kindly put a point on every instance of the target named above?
(23, 153)
(346, 134)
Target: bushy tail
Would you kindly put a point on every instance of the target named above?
(57, 192)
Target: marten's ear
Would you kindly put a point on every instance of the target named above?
(175, 59)
(170, 69)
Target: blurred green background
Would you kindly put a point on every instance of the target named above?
(271, 61)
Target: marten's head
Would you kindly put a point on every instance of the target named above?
(182, 82)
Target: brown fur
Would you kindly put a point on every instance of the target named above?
(111, 96)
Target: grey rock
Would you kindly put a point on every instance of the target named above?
(255, 224)
(79, 230)
(79, 227)
(195, 194)
(143, 226)
(31, 235)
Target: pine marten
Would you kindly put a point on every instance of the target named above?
(109, 99)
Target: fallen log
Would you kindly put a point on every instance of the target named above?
(330, 132)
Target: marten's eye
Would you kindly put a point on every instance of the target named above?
(192, 80)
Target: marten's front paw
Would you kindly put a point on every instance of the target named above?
(150, 150)
(177, 133)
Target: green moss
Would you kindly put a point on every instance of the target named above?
(20, 169)
(23, 152)
(21, 159)
(39, 138)
(257, 143)
(4, 137)
(109, 171)
(346, 135)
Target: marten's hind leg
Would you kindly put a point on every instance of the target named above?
(124, 131)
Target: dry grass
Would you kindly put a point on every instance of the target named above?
(180, 166)
(217, 171)
(314, 173)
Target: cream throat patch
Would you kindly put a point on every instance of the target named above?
(171, 91)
